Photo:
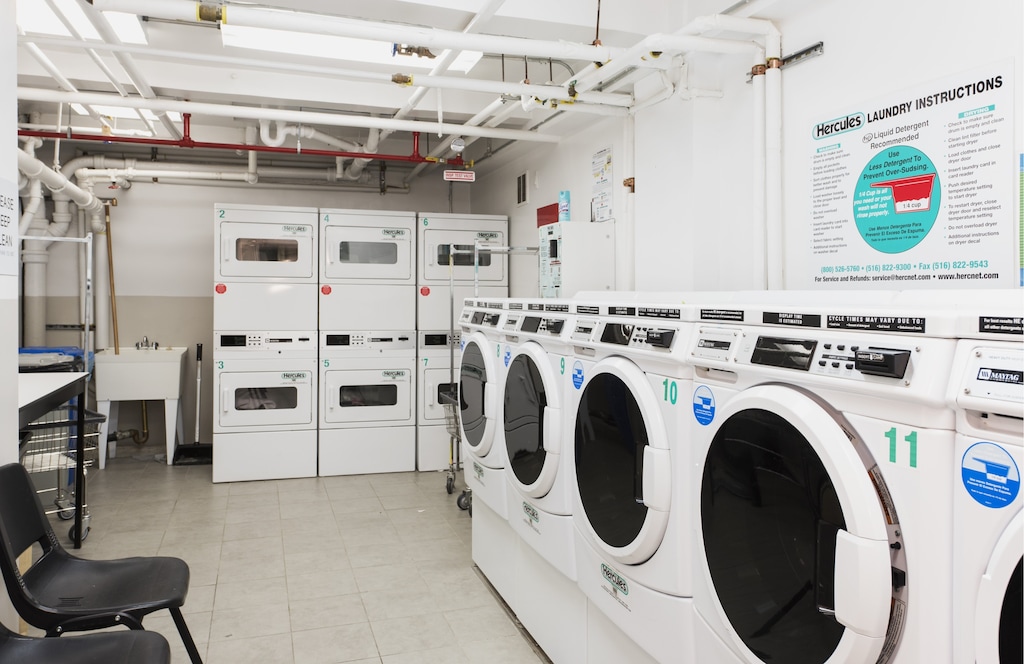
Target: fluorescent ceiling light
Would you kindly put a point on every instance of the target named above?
(36, 17)
(127, 26)
(338, 48)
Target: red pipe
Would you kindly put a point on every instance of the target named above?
(187, 142)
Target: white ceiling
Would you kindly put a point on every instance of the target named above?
(169, 66)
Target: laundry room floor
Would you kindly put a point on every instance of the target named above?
(373, 569)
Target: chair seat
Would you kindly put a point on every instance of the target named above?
(114, 648)
(79, 587)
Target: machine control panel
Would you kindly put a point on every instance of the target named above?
(629, 334)
(841, 357)
(993, 380)
(539, 325)
(363, 341)
(264, 341)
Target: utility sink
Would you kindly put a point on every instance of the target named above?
(139, 374)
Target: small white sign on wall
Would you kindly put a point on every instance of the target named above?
(8, 227)
(601, 198)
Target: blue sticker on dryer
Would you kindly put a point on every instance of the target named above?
(704, 405)
(507, 358)
(990, 475)
(577, 374)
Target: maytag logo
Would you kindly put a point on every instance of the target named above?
(392, 232)
(612, 577)
(396, 373)
(490, 235)
(1001, 376)
(531, 512)
(294, 375)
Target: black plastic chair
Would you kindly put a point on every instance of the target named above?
(63, 593)
(106, 648)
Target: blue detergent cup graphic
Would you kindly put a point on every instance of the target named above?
(897, 199)
(990, 475)
(577, 374)
(507, 358)
(704, 405)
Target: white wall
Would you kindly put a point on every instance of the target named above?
(8, 283)
(551, 169)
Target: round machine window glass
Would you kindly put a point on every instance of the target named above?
(770, 515)
(472, 382)
(611, 435)
(525, 401)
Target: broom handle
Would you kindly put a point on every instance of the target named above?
(199, 385)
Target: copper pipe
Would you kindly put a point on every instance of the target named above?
(110, 273)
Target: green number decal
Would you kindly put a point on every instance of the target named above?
(220, 364)
(221, 215)
(561, 365)
(327, 217)
(670, 391)
(425, 361)
(327, 363)
(910, 438)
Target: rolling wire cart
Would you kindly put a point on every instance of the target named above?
(450, 402)
(51, 452)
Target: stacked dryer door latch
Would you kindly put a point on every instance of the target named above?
(264, 352)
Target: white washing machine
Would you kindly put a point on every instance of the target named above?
(987, 393)
(438, 307)
(822, 513)
(481, 378)
(625, 419)
(367, 402)
(435, 375)
(265, 268)
(537, 478)
(265, 387)
(367, 270)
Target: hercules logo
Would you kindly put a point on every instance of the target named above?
(612, 577)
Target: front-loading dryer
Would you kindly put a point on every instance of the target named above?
(538, 479)
(625, 419)
(367, 402)
(265, 268)
(822, 506)
(367, 270)
(265, 394)
(987, 393)
(437, 357)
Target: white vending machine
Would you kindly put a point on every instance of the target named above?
(484, 275)
(576, 256)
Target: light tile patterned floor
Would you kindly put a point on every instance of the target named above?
(372, 569)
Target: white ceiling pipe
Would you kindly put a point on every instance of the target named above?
(57, 182)
(280, 19)
(355, 169)
(251, 165)
(493, 114)
(542, 92)
(35, 126)
(110, 174)
(665, 45)
(253, 113)
(445, 62)
(107, 33)
(35, 201)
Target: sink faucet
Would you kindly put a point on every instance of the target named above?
(145, 345)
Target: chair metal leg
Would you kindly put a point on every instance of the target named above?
(186, 636)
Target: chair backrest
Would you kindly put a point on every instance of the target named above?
(22, 523)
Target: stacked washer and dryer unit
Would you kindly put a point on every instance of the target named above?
(444, 279)
(367, 342)
(265, 355)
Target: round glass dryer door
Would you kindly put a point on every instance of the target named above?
(621, 446)
(531, 416)
(784, 495)
(477, 375)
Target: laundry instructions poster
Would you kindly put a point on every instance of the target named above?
(917, 189)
